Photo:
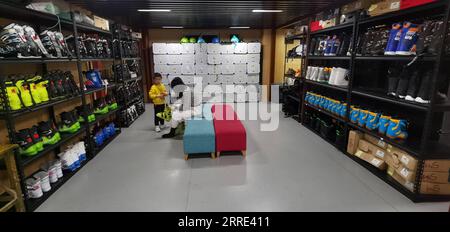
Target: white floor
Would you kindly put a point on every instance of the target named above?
(291, 169)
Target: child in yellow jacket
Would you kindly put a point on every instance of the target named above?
(157, 94)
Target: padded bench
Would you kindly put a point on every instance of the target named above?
(230, 133)
(199, 137)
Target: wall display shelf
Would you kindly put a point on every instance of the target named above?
(19, 13)
(422, 144)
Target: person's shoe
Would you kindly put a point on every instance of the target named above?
(48, 133)
(397, 129)
(26, 143)
(171, 134)
(408, 40)
(157, 129)
(372, 120)
(394, 39)
(383, 124)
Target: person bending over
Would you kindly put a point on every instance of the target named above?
(186, 105)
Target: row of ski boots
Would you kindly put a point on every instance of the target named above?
(22, 41)
(73, 156)
(128, 92)
(122, 72)
(33, 140)
(412, 83)
(90, 46)
(94, 80)
(129, 115)
(331, 105)
(130, 48)
(105, 105)
(333, 76)
(336, 45)
(41, 181)
(393, 128)
(101, 134)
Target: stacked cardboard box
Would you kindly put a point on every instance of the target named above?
(360, 147)
(436, 177)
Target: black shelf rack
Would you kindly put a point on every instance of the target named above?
(422, 147)
(20, 13)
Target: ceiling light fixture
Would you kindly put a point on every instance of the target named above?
(267, 11)
(239, 27)
(154, 10)
(172, 27)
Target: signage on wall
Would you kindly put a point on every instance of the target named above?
(136, 35)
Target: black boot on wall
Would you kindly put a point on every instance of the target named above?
(402, 87)
(424, 95)
(393, 78)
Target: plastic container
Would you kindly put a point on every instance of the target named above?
(51, 170)
(43, 177)
(34, 189)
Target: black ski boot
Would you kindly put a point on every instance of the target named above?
(171, 134)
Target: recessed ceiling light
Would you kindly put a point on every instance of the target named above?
(172, 27)
(154, 10)
(239, 27)
(267, 11)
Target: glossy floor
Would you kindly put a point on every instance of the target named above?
(290, 169)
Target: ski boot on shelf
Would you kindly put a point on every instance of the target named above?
(14, 42)
(397, 129)
(31, 82)
(100, 106)
(48, 133)
(24, 91)
(354, 114)
(383, 124)
(372, 120)
(408, 39)
(394, 39)
(393, 76)
(59, 38)
(39, 91)
(15, 103)
(112, 103)
(69, 123)
(343, 112)
(26, 143)
(48, 39)
(70, 85)
(362, 119)
(34, 38)
(36, 138)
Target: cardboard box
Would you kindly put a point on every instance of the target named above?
(356, 5)
(437, 166)
(372, 149)
(384, 7)
(394, 162)
(376, 141)
(436, 177)
(101, 23)
(433, 188)
(403, 156)
(409, 185)
(353, 141)
(378, 163)
(405, 4)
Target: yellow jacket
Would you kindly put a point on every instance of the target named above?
(156, 90)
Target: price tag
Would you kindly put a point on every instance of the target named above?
(380, 154)
(381, 143)
(395, 5)
(376, 162)
(404, 172)
(404, 160)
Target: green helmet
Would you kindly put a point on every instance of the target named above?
(184, 39)
(192, 40)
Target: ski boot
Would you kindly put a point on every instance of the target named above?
(69, 123)
(36, 138)
(372, 120)
(394, 39)
(13, 95)
(34, 91)
(354, 114)
(15, 43)
(362, 119)
(48, 133)
(100, 106)
(70, 85)
(41, 87)
(25, 94)
(32, 36)
(112, 103)
(383, 124)
(397, 129)
(26, 143)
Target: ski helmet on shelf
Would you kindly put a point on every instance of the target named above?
(215, 40)
(201, 40)
(184, 40)
(235, 39)
(192, 40)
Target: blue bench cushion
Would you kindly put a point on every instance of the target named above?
(199, 136)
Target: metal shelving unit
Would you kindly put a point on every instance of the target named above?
(13, 12)
(421, 147)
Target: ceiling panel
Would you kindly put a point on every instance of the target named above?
(204, 14)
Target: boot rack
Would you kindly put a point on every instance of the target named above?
(422, 148)
(36, 18)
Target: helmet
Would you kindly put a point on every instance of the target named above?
(192, 40)
(215, 40)
(201, 40)
(184, 39)
(235, 39)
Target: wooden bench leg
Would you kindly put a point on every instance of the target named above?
(244, 153)
(186, 156)
(212, 155)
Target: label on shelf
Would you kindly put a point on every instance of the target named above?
(405, 160)
(376, 162)
(380, 154)
(404, 172)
